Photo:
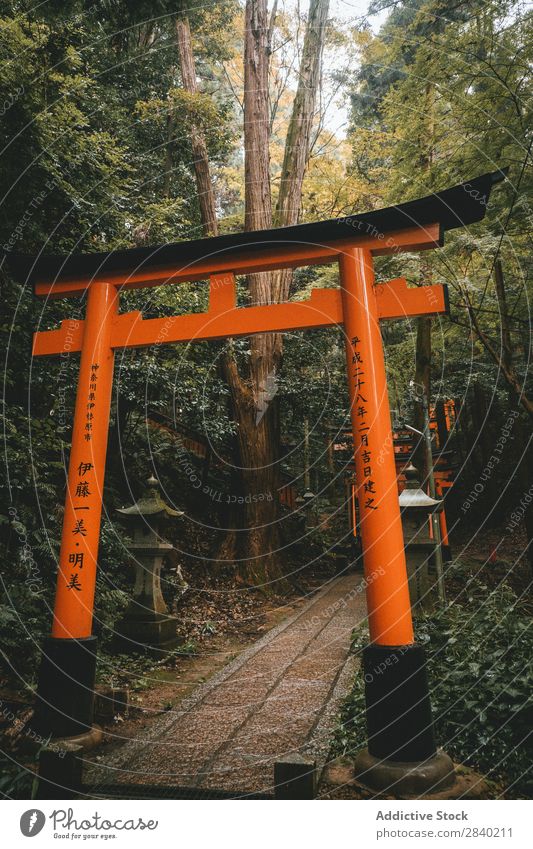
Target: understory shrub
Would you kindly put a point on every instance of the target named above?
(480, 668)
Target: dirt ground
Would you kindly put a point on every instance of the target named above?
(157, 686)
(277, 699)
(218, 619)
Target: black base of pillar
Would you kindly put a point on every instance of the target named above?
(406, 780)
(65, 691)
(398, 710)
(60, 775)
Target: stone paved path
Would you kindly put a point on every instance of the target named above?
(278, 697)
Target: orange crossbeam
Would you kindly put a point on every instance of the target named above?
(323, 309)
(396, 300)
(249, 262)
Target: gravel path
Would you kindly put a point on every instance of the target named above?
(278, 697)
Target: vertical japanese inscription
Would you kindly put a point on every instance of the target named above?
(361, 435)
(85, 487)
(78, 556)
(91, 400)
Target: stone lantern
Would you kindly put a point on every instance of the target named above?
(146, 622)
(416, 507)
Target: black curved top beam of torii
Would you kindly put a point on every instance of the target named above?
(457, 206)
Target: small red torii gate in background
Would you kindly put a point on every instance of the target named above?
(398, 708)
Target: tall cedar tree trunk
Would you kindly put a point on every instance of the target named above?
(298, 141)
(525, 468)
(258, 425)
(206, 195)
(482, 417)
(423, 333)
(253, 401)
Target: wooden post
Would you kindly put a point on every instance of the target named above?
(389, 608)
(66, 682)
(397, 695)
(76, 579)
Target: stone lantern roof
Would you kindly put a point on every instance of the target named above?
(414, 497)
(150, 503)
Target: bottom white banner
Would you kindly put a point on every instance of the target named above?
(312, 824)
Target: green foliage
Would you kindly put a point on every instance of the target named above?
(443, 93)
(481, 665)
(15, 782)
(446, 94)
(84, 169)
(480, 669)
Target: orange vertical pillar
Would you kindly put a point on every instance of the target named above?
(397, 696)
(389, 607)
(67, 672)
(76, 579)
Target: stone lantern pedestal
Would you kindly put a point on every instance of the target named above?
(147, 623)
(416, 507)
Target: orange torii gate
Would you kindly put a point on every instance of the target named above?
(398, 708)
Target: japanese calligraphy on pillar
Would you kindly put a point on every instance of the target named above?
(366, 487)
(83, 490)
(91, 401)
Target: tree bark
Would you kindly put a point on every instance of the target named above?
(167, 179)
(254, 395)
(423, 329)
(483, 415)
(298, 143)
(253, 386)
(204, 184)
(252, 390)
(525, 466)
